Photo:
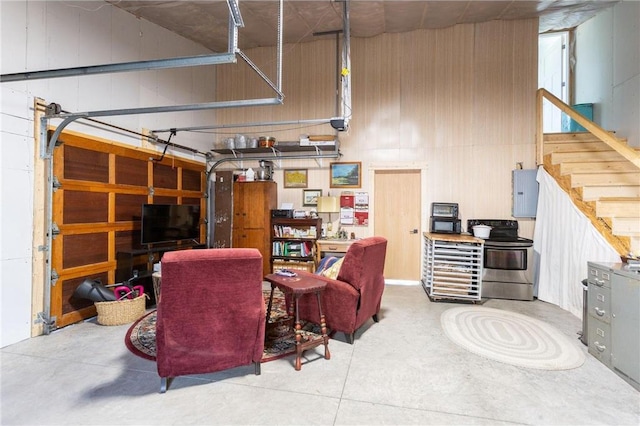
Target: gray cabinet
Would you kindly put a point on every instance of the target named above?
(599, 311)
(625, 326)
(614, 318)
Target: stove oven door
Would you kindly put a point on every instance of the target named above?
(508, 272)
(506, 258)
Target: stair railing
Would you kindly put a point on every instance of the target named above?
(605, 136)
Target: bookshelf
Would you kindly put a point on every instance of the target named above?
(293, 243)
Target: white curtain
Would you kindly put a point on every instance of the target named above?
(564, 241)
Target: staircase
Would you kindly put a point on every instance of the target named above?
(602, 183)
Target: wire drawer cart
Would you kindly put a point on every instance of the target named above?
(452, 267)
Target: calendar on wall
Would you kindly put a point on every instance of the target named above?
(354, 208)
(361, 209)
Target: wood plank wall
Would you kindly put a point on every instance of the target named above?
(98, 206)
(458, 100)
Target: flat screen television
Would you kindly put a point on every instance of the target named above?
(164, 223)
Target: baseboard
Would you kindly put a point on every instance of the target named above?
(401, 282)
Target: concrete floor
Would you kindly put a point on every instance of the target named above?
(402, 370)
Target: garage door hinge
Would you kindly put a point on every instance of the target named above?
(56, 184)
(55, 231)
(54, 277)
(49, 323)
(151, 190)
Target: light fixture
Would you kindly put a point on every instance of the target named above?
(328, 205)
(234, 9)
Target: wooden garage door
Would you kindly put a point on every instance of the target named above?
(100, 189)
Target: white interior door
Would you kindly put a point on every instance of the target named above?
(553, 75)
(397, 195)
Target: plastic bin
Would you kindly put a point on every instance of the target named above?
(569, 125)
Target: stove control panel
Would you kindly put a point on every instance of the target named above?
(494, 223)
(500, 228)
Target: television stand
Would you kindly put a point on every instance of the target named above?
(137, 264)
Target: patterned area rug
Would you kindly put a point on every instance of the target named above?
(511, 338)
(279, 337)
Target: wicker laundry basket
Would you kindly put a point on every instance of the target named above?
(121, 311)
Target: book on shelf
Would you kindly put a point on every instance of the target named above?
(289, 232)
(294, 249)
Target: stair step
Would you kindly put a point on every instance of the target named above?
(605, 179)
(584, 156)
(550, 147)
(626, 226)
(599, 167)
(593, 193)
(618, 207)
(582, 141)
(572, 137)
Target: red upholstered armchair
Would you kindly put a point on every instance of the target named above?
(354, 297)
(211, 313)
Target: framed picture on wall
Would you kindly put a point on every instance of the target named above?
(295, 178)
(310, 196)
(346, 175)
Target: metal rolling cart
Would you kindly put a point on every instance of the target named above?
(452, 267)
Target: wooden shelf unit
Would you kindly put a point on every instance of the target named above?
(252, 202)
(452, 266)
(293, 243)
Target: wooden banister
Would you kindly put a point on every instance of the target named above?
(606, 137)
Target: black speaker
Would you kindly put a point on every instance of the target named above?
(280, 213)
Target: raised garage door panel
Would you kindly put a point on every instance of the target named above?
(158, 199)
(192, 180)
(165, 176)
(85, 207)
(85, 164)
(85, 249)
(131, 171)
(129, 207)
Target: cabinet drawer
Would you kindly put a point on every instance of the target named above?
(599, 303)
(336, 248)
(600, 340)
(599, 277)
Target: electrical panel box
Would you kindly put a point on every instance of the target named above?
(525, 193)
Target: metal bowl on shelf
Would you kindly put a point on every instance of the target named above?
(267, 141)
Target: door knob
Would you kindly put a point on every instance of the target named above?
(413, 231)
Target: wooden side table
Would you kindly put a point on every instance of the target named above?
(331, 246)
(298, 286)
(157, 283)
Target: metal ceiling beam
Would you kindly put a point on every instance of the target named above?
(175, 108)
(346, 65)
(187, 61)
(236, 125)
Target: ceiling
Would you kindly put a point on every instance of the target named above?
(206, 22)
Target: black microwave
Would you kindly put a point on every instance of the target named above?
(449, 210)
(445, 225)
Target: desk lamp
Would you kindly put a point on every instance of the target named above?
(328, 205)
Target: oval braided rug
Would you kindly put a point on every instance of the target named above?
(511, 338)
